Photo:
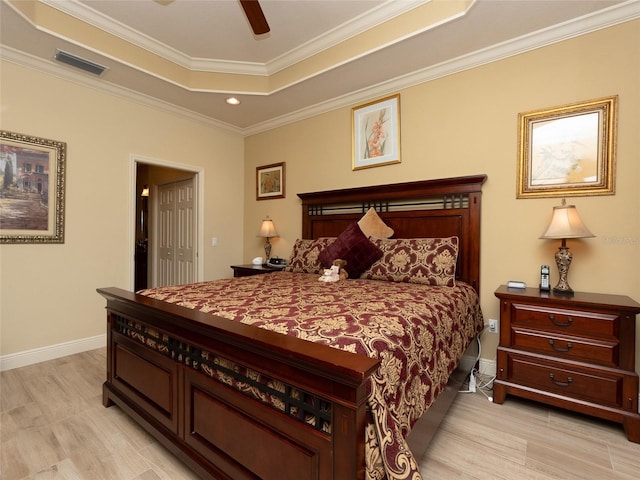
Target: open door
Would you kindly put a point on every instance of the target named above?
(171, 217)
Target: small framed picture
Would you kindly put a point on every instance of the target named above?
(32, 190)
(270, 181)
(568, 150)
(375, 133)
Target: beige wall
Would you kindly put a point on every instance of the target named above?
(467, 124)
(48, 291)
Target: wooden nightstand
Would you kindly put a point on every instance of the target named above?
(247, 270)
(575, 352)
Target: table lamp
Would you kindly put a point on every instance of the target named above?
(565, 223)
(267, 230)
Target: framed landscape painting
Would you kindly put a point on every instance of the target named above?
(568, 150)
(32, 175)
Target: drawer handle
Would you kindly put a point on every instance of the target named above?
(560, 384)
(569, 347)
(559, 324)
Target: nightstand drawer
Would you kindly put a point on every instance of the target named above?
(601, 352)
(604, 387)
(566, 321)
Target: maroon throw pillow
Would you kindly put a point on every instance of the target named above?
(355, 248)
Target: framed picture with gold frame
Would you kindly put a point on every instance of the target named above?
(569, 150)
(270, 181)
(375, 133)
(32, 189)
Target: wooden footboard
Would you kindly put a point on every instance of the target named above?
(300, 411)
(305, 421)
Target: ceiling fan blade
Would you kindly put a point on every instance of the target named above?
(256, 17)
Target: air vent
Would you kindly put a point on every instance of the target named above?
(80, 63)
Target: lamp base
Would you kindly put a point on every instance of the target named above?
(267, 250)
(563, 291)
(563, 261)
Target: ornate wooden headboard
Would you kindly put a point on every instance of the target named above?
(429, 208)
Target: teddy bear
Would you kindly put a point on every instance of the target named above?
(342, 273)
(335, 273)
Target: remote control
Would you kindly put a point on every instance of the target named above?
(516, 284)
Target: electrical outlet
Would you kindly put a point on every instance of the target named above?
(493, 325)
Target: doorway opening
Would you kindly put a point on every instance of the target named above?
(150, 177)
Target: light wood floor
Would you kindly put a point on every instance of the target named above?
(53, 426)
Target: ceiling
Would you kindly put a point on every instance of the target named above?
(190, 55)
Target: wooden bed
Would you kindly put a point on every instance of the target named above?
(192, 414)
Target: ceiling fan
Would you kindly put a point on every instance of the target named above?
(255, 15)
(252, 10)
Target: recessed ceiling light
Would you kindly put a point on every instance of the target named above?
(233, 101)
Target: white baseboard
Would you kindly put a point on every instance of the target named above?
(37, 355)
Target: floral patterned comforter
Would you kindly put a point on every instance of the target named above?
(418, 332)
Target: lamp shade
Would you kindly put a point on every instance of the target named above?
(267, 230)
(566, 223)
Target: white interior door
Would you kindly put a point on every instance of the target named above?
(175, 239)
(184, 230)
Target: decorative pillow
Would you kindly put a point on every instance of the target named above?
(355, 248)
(305, 253)
(430, 261)
(372, 225)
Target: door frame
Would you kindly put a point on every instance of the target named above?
(134, 160)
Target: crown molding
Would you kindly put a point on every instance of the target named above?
(48, 67)
(339, 34)
(612, 16)
(388, 10)
(86, 14)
